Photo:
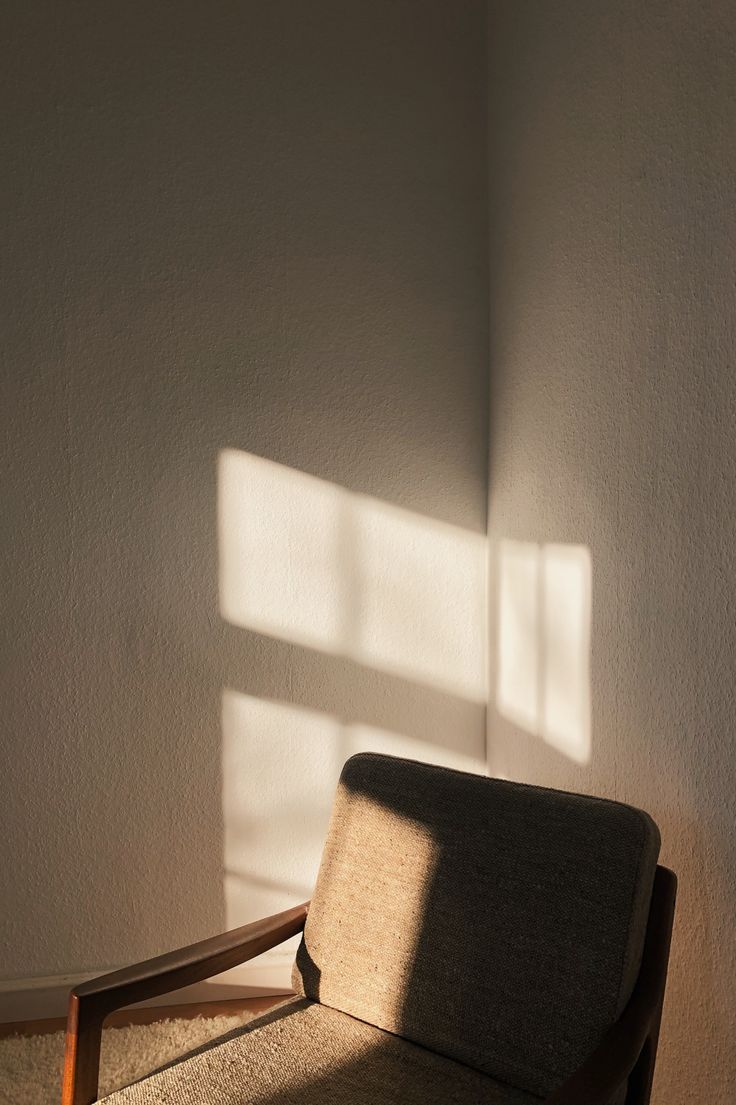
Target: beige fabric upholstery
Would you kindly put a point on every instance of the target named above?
(305, 1054)
(468, 943)
(496, 924)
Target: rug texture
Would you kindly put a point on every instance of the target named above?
(30, 1066)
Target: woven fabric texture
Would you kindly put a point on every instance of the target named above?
(306, 1054)
(494, 923)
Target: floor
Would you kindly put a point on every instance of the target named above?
(147, 1015)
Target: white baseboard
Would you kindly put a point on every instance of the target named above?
(30, 999)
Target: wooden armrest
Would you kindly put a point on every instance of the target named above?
(92, 1001)
(635, 1033)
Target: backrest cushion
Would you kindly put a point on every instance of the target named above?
(498, 924)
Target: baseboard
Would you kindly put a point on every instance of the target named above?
(26, 999)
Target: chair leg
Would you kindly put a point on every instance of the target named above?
(82, 1054)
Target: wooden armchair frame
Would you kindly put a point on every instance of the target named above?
(92, 1001)
(627, 1051)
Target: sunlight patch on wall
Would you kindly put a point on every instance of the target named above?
(422, 594)
(367, 738)
(543, 643)
(279, 768)
(280, 569)
(517, 686)
(313, 563)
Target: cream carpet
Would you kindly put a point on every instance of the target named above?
(30, 1066)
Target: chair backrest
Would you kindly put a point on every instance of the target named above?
(495, 923)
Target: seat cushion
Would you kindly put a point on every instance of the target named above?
(498, 924)
(307, 1054)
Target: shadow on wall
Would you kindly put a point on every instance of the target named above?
(370, 618)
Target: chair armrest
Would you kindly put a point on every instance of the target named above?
(91, 1002)
(635, 1032)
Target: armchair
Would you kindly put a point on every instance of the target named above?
(470, 941)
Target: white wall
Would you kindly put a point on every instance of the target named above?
(258, 232)
(612, 431)
(255, 232)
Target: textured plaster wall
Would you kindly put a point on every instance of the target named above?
(612, 428)
(253, 229)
